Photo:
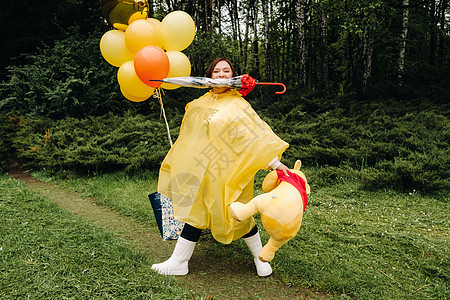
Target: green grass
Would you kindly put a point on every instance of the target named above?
(48, 253)
(124, 193)
(376, 245)
(353, 242)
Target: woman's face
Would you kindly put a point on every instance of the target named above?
(222, 70)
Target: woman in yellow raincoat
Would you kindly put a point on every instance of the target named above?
(221, 146)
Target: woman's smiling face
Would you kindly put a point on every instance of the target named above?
(222, 70)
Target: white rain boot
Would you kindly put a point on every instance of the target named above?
(254, 244)
(177, 264)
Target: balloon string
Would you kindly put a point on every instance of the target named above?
(158, 95)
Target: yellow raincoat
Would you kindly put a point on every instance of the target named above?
(221, 146)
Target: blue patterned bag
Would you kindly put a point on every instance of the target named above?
(168, 226)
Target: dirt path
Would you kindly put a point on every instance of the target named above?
(215, 276)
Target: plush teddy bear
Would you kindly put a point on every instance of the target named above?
(281, 208)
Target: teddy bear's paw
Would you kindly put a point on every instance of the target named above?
(265, 255)
(234, 210)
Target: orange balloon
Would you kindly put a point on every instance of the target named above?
(151, 62)
(141, 33)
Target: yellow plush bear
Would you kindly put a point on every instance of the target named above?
(281, 208)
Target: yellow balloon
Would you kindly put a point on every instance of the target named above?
(155, 21)
(130, 82)
(137, 16)
(179, 66)
(178, 30)
(117, 11)
(114, 49)
(131, 97)
(121, 27)
(142, 33)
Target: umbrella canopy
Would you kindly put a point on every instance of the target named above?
(245, 82)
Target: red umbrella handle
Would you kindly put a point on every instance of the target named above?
(273, 83)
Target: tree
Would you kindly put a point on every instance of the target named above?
(442, 33)
(32, 24)
(70, 78)
(267, 50)
(433, 35)
(333, 46)
(300, 10)
(247, 31)
(404, 34)
(254, 58)
(213, 14)
(324, 46)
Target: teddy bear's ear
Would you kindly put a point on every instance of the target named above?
(270, 182)
(298, 165)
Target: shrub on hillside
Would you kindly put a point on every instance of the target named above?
(380, 143)
(93, 144)
(373, 142)
(71, 78)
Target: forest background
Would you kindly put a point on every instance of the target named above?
(366, 110)
(368, 86)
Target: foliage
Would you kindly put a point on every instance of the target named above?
(378, 142)
(69, 79)
(380, 138)
(49, 253)
(208, 46)
(343, 38)
(31, 24)
(92, 144)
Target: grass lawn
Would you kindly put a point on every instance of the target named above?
(48, 253)
(353, 242)
(376, 245)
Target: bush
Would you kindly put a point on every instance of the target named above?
(402, 145)
(384, 142)
(103, 143)
(70, 78)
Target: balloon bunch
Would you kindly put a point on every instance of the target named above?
(146, 49)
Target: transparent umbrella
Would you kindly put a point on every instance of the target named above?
(245, 82)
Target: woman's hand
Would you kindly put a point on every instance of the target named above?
(283, 168)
